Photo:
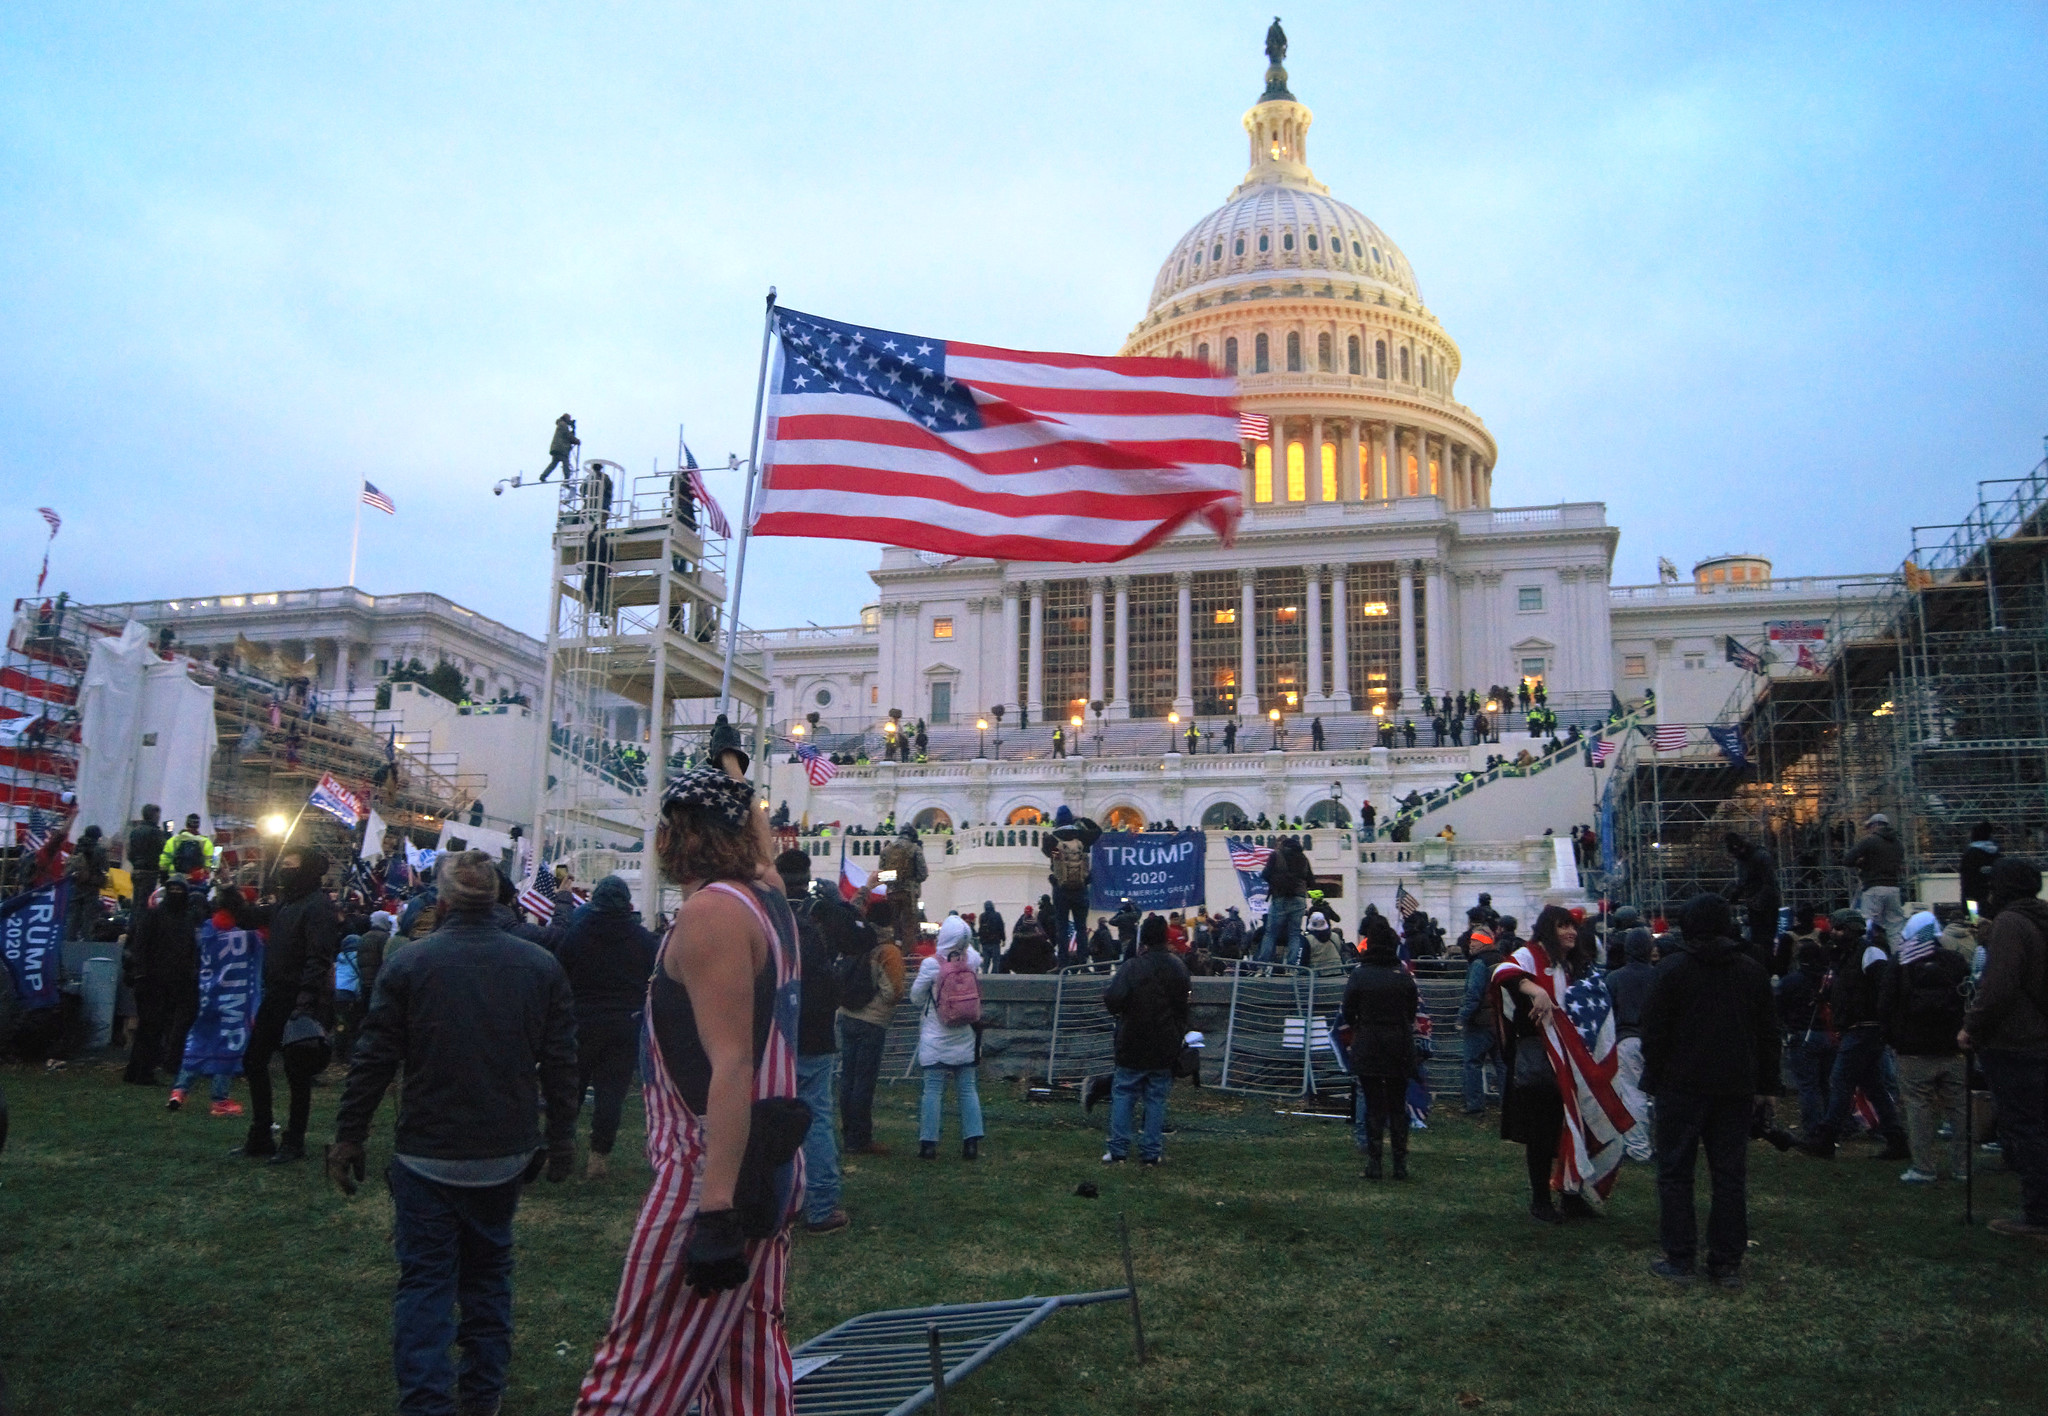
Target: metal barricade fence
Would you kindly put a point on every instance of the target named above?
(1276, 1037)
(1083, 1041)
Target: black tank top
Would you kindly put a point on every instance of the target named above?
(675, 1025)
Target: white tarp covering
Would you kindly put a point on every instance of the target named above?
(109, 709)
(146, 734)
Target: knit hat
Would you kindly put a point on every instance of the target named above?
(1849, 922)
(384, 920)
(1152, 933)
(468, 880)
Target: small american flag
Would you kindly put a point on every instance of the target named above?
(1603, 748)
(1405, 904)
(56, 521)
(1250, 857)
(534, 902)
(817, 766)
(35, 833)
(373, 497)
(1671, 737)
(1256, 426)
(713, 517)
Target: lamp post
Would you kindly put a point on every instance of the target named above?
(1074, 722)
(1337, 802)
(997, 713)
(981, 726)
(1096, 708)
(1172, 729)
(1273, 716)
(888, 739)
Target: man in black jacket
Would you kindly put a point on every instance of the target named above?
(163, 954)
(1921, 1006)
(485, 1028)
(1879, 860)
(2007, 1026)
(817, 1048)
(1125, 923)
(608, 956)
(1288, 877)
(1860, 965)
(298, 982)
(1710, 1061)
(145, 851)
(1149, 1000)
(1068, 848)
(1756, 890)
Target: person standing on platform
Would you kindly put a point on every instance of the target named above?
(904, 859)
(145, 856)
(1068, 847)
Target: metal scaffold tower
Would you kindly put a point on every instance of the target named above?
(636, 592)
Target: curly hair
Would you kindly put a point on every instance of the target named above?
(694, 843)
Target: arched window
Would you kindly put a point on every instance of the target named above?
(1328, 813)
(1311, 240)
(1287, 241)
(1240, 246)
(1297, 472)
(1375, 255)
(1323, 352)
(1202, 352)
(1198, 259)
(1264, 241)
(1124, 818)
(1262, 356)
(931, 818)
(1222, 815)
(1406, 377)
(1230, 355)
(1293, 351)
(1027, 816)
(1217, 254)
(1379, 358)
(1353, 347)
(1329, 471)
(1262, 473)
(1357, 250)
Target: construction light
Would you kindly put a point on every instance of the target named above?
(275, 824)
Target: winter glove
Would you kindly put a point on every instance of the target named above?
(716, 1257)
(345, 1165)
(561, 1160)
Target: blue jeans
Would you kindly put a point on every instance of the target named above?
(933, 1104)
(454, 1246)
(1130, 1084)
(821, 1142)
(860, 1055)
(1859, 1065)
(1482, 1056)
(1069, 924)
(1810, 1058)
(1283, 928)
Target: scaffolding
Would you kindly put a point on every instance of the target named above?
(1930, 705)
(636, 593)
(39, 680)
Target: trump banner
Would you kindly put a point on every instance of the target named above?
(1154, 870)
(230, 991)
(31, 926)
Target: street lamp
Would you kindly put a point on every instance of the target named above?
(997, 713)
(981, 726)
(1172, 729)
(1074, 722)
(1273, 715)
(888, 739)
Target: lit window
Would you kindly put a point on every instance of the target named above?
(1226, 617)
(1532, 669)
(1377, 678)
(1529, 597)
(1373, 610)
(1262, 473)
(1329, 472)
(874, 694)
(1635, 665)
(942, 627)
(1287, 614)
(1297, 472)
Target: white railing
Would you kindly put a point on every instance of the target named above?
(1789, 586)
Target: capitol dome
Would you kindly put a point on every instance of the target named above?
(1348, 378)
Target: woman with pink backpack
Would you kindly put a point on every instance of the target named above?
(948, 990)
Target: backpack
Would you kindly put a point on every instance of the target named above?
(855, 975)
(956, 997)
(188, 855)
(1070, 864)
(1933, 996)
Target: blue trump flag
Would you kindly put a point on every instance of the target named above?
(230, 991)
(31, 933)
(1154, 870)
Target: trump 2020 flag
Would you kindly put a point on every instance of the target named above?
(968, 450)
(337, 801)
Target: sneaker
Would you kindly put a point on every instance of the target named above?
(1112, 1158)
(830, 1224)
(177, 1099)
(225, 1110)
(2018, 1226)
(1672, 1273)
(1915, 1176)
(1729, 1280)
(927, 1150)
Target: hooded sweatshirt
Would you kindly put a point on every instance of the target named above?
(298, 963)
(939, 1045)
(1878, 858)
(1630, 984)
(2007, 1010)
(1710, 1027)
(607, 953)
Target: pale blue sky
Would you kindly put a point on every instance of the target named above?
(1765, 277)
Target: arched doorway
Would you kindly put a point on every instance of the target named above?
(1223, 815)
(1026, 816)
(1124, 818)
(1328, 812)
(932, 818)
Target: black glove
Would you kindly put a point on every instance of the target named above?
(716, 1257)
(345, 1165)
(561, 1160)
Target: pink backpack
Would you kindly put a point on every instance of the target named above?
(956, 997)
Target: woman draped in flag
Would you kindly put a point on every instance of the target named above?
(1560, 1101)
(700, 1306)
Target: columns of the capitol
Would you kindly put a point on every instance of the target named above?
(1314, 702)
(1276, 443)
(1184, 644)
(1389, 447)
(1035, 672)
(1410, 699)
(1435, 617)
(1120, 696)
(1312, 464)
(1012, 691)
(1349, 481)
(1340, 642)
(1096, 585)
(1247, 644)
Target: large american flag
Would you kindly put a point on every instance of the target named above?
(1671, 737)
(1405, 904)
(1249, 857)
(373, 497)
(1603, 748)
(964, 449)
(1580, 1039)
(817, 766)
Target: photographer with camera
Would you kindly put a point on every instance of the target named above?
(1710, 1062)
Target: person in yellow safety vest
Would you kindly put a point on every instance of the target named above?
(188, 852)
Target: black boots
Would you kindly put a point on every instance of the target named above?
(927, 1150)
(1372, 1164)
(970, 1149)
(1400, 1165)
(1895, 1147)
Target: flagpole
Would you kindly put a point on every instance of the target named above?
(739, 576)
(355, 540)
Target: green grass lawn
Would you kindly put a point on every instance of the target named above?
(144, 1271)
